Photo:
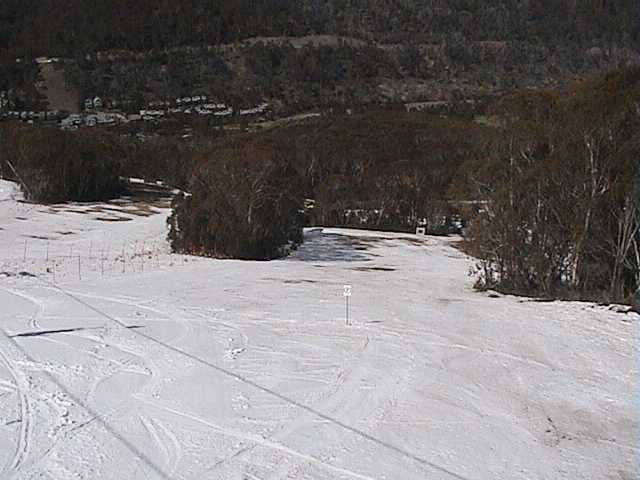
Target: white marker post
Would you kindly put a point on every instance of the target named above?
(347, 294)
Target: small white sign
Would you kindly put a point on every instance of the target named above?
(347, 291)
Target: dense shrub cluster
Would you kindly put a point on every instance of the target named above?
(561, 214)
(55, 166)
(245, 201)
(386, 170)
(87, 164)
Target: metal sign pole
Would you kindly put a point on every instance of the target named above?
(347, 294)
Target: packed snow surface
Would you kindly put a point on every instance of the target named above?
(119, 360)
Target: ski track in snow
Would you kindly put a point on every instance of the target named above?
(169, 446)
(33, 320)
(149, 424)
(22, 445)
(246, 370)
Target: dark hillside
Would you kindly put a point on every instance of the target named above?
(71, 27)
(393, 50)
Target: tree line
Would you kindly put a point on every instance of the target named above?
(383, 170)
(54, 166)
(84, 165)
(560, 208)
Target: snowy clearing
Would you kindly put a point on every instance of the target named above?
(120, 360)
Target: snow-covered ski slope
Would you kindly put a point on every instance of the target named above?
(180, 368)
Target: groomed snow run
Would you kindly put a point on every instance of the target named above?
(119, 360)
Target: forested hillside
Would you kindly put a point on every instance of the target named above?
(308, 54)
(69, 27)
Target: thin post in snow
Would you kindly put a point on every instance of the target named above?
(347, 293)
(47, 253)
(153, 252)
(133, 257)
(24, 257)
(347, 310)
(143, 254)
